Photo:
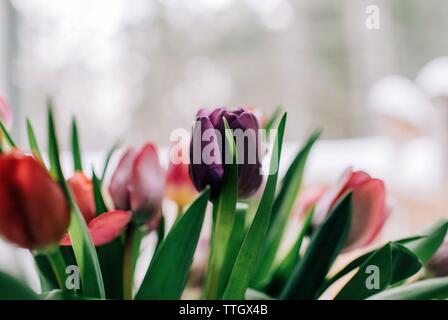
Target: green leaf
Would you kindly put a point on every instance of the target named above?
(277, 281)
(273, 118)
(395, 263)
(110, 256)
(100, 205)
(47, 277)
(76, 150)
(256, 235)
(107, 161)
(7, 135)
(224, 208)
(33, 142)
(357, 287)
(167, 274)
(405, 263)
(360, 260)
(58, 294)
(252, 294)
(421, 290)
(325, 245)
(282, 208)
(83, 247)
(13, 289)
(425, 248)
(233, 247)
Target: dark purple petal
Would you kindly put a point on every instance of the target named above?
(248, 148)
(201, 173)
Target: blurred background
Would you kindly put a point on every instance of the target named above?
(135, 70)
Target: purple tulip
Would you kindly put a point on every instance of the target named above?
(204, 139)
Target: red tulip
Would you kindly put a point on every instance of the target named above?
(5, 113)
(104, 228)
(34, 212)
(138, 184)
(369, 209)
(179, 187)
(82, 189)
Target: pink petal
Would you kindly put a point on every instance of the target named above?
(105, 228)
(5, 113)
(119, 182)
(368, 215)
(147, 183)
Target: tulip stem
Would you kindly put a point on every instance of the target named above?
(58, 265)
(132, 245)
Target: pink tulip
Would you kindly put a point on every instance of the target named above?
(138, 184)
(369, 209)
(104, 228)
(5, 113)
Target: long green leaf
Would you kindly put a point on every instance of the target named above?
(83, 247)
(100, 205)
(7, 135)
(167, 274)
(273, 118)
(256, 235)
(33, 142)
(425, 248)
(107, 161)
(360, 260)
(13, 289)
(285, 268)
(421, 290)
(282, 208)
(326, 243)
(224, 208)
(76, 150)
(357, 287)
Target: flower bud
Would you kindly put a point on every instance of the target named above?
(138, 184)
(34, 212)
(209, 135)
(369, 209)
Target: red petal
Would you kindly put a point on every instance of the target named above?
(105, 228)
(82, 189)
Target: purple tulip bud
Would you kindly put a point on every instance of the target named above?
(208, 138)
(138, 184)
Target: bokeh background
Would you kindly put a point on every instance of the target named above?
(135, 70)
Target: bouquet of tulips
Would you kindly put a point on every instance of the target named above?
(85, 231)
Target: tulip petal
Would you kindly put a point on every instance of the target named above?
(202, 172)
(82, 189)
(248, 148)
(5, 113)
(147, 185)
(368, 214)
(118, 187)
(105, 228)
(34, 212)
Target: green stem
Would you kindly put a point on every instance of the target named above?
(210, 286)
(128, 274)
(58, 265)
